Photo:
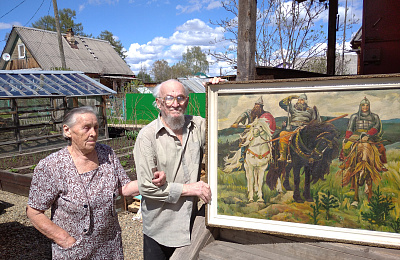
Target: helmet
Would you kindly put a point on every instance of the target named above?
(303, 96)
(364, 101)
(260, 101)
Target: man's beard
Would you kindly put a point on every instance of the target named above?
(256, 112)
(174, 122)
(300, 106)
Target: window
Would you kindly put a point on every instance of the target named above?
(21, 51)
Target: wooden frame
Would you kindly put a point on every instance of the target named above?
(331, 214)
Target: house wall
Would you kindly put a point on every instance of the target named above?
(17, 63)
(380, 37)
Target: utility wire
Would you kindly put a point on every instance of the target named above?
(35, 13)
(12, 9)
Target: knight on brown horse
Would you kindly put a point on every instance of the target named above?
(363, 155)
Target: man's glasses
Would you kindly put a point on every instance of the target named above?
(169, 100)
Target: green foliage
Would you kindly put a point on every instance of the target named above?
(328, 201)
(316, 210)
(395, 225)
(32, 167)
(109, 36)
(13, 170)
(67, 17)
(161, 70)
(380, 206)
(124, 163)
(143, 75)
(193, 61)
(131, 135)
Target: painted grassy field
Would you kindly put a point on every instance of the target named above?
(332, 202)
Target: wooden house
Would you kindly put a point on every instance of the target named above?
(31, 48)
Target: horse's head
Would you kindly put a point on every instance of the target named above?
(260, 128)
(320, 139)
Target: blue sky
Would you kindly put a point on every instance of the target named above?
(149, 30)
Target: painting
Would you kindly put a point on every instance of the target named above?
(317, 158)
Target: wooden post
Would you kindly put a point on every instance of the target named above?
(246, 40)
(331, 55)
(15, 117)
(60, 44)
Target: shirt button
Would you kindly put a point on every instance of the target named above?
(85, 230)
(85, 206)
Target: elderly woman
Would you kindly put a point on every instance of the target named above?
(80, 183)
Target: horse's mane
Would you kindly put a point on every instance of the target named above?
(264, 125)
(310, 134)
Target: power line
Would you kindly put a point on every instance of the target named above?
(35, 13)
(12, 9)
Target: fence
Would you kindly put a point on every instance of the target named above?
(139, 107)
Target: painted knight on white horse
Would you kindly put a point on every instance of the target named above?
(255, 151)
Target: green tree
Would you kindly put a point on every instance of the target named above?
(328, 202)
(180, 70)
(143, 75)
(379, 209)
(195, 60)
(287, 32)
(67, 17)
(161, 70)
(108, 36)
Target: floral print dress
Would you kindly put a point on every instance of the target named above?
(81, 204)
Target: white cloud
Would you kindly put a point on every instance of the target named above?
(192, 33)
(197, 5)
(8, 25)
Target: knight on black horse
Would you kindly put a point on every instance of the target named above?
(308, 143)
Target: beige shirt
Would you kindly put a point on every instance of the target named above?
(167, 215)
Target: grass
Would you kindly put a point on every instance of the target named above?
(232, 199)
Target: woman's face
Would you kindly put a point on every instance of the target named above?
(84, 133)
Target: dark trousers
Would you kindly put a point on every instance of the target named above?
(152, 250)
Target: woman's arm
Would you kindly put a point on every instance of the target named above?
(132, 189)
(42, 223)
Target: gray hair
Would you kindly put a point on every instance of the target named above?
(70, 117)
(156, 90)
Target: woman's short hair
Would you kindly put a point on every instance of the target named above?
(70, 117)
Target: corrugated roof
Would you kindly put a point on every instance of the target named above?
(91, 56)
(33, 83)
(194, 84)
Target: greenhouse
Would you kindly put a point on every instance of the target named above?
(33, 104)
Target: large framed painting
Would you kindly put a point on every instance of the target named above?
(317, 158)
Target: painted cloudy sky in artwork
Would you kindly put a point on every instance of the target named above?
(383, 102)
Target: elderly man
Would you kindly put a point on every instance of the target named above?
(174, 144)
(299, 114)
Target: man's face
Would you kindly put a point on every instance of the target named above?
(172, 114)
(301, 101)
(84, 132)
(364, 107)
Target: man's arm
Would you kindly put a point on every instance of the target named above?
(199, 189)
(42, 223)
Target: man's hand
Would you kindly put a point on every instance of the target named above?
(235, 125)
(159, 178)
(199, 189)
(216, 80)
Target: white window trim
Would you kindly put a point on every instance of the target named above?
(21, 47)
